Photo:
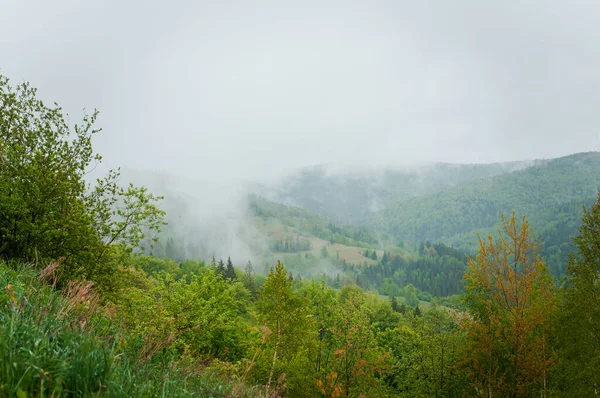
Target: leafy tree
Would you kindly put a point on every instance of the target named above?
(410, 295)
(286, 317)
(425, 351)
(579, 320)
(357, 364)
(48, 211)
(510, 299)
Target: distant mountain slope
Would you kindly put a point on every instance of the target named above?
(353, 196)
(536, 191)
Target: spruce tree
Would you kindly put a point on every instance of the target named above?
(394, 303)
(418, 311)
(221, 268)
(248, 279)
(230, 271)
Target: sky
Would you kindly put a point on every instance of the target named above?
(251, 89)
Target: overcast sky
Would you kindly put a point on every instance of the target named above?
(249, 88)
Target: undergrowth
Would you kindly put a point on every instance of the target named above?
(63, 344)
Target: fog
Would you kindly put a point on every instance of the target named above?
(228, 91)
(238, 89)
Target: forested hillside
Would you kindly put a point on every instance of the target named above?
(354, 196)
(477, 205)
(97, 298)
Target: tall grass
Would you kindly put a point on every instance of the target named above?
(58, 344)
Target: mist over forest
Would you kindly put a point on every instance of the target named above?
(299, 199)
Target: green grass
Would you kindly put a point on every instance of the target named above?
(52, 348)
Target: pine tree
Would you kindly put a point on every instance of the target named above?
(394, 303)
(374, 255)
(248, 278)
(230, 270)
(221, 268)
(418, 311)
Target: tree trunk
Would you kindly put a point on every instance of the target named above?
(274, 360)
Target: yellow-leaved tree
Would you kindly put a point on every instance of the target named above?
(510, 299)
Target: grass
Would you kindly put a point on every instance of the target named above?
(61, 344)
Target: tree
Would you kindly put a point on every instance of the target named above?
(580, 316)
(221, 268)
(248, 278)
(357, 364)
(48, 210)
(324, 253)
(510, 299)
(229, 271)
(410, 295)
(394, 303)
(286, 317)
(374, 255)
(417, 311)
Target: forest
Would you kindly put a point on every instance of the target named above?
(88, 309)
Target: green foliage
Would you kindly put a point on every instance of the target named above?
(57, 344)
(196, 315)
(311, 223)
(476, 206)
(47, 209)
(579, 319)
(424, 350)
(289, 334)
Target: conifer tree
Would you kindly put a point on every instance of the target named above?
(394, 303)
(248, 278)
(230, 270)
(221, 268)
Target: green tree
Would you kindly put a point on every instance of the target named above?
(394, 303)
(410, 295)
(220, 268)
(249, 280)
(357, 364)
(230, 271)
(579, 320)
(286, 316)
(48, 209)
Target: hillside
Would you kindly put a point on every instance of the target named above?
(351, 195)
(477, 205)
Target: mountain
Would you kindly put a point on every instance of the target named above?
(452, 203)
(534, 191)
(355, 194)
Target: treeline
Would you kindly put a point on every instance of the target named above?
(438, 270)
(290, 245)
